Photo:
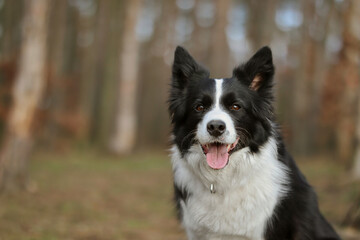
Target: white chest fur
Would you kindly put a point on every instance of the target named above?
(247, 191)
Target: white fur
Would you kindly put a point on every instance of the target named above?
(216, 113)
(247, 191)
(218, 92)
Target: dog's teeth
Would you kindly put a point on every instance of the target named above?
(228, 147)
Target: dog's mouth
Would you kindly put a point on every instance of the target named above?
(217, 153)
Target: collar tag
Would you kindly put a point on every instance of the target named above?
(212, 188)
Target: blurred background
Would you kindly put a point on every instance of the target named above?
(84, 129)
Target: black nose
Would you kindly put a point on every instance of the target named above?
(216, 127)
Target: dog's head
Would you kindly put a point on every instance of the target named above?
(224, 115)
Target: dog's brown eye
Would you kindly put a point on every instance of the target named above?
(234, 107)
(200, 108)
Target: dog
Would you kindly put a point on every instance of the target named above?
(233, 177)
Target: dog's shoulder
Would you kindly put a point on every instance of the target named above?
(297, 216)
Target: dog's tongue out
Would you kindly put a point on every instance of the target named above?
(217, 155)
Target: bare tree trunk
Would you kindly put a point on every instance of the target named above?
(102, 28)
(219, 63)
(355, 19)
(348, 68)
(260, 29)
(58, 11)
(28, 90)
(57, 31)
(319, 77)
(302, 124)
(10, 15)
(356, 168)
(125, 126)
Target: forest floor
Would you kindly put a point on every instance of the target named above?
(86, 195)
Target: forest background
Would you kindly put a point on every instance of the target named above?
(84, 128)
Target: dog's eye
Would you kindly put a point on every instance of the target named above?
(200, 108)
(234, 107)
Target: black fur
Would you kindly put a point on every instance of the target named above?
(297, 216)
(180, 194)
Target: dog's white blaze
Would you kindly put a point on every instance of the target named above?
(217, 113)
(247, 191)
(218, 87)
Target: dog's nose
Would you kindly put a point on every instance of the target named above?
(216, 127)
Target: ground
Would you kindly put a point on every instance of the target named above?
(87, 195)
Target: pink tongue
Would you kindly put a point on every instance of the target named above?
(217, 156)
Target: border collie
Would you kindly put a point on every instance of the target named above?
(233, 176)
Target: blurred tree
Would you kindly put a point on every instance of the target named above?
(202, 35)
(28, 89)
(87, 47)
(58, 11)
(101, 36)
(62, 95)
(356, 168)
(347, 71)
(123, 140)
(260, 29)
(88, 93)
(355, 19)
(219, 65)
(303, 85)
(153, 121)
(10, 17)
(309, 75)
(56, 38)
(109, 80)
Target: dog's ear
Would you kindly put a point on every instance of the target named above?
(185, 68)
(257, 73)
(184, 71)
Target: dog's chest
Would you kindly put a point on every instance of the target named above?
(247, 192)
(239, 212)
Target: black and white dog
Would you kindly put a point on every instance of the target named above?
(233, 177)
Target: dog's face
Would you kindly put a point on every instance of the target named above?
(221, 116)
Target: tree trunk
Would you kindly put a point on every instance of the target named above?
(28, 90)
(56, 36)
(125, 126)
(219, 58)
(301, 124)
(100, 51)
(355, 29)
(348, 68)
(260, 29)
(356, 168)
(10, 15)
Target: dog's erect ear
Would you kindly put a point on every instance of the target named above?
(184, 68)
(258, 72)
